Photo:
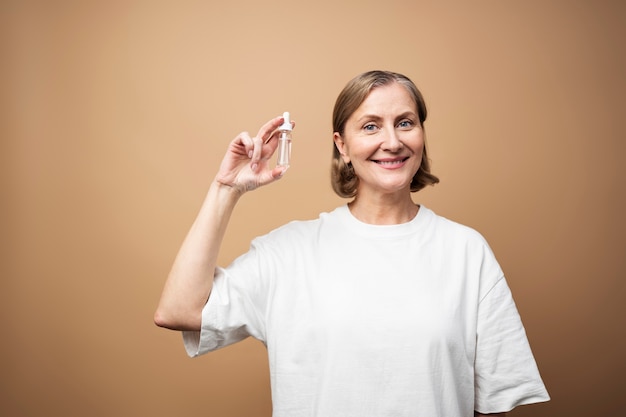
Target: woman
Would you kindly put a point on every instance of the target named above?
(378, 308)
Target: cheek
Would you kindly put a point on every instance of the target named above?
(418, 150)
(420, 155)
(416, 143)
(420, 143)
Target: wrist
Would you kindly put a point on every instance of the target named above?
(226, 190)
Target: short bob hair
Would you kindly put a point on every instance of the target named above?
(343, 177)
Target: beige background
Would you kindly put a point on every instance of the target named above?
(115, 115)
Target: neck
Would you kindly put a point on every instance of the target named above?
(384, 209)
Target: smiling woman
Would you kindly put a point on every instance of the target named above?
(379, 307)
(364, 88)
(383, 143)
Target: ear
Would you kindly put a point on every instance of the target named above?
(341, 147)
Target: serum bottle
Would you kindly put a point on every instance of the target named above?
(284, 142)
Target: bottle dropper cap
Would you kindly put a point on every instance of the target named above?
(287, 123)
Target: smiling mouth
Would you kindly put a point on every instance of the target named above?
(390, 162)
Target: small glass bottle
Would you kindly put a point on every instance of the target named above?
(284, 142)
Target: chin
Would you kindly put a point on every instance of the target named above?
(390, 188)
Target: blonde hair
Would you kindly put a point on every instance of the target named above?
(343, 178)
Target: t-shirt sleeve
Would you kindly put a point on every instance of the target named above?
(234, 310)
(506, 373)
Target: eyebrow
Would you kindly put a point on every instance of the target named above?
(368, 117)
(378, 117)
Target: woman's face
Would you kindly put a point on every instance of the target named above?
(384, 141)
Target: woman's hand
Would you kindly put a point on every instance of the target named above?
(246, 163)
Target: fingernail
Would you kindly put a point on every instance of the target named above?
(250, 154)
(253, 166)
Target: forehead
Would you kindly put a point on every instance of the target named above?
(391, 99)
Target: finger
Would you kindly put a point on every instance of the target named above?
(243, 140)
(266, 131)
(274, 133)
(271, 176)
(257, 147)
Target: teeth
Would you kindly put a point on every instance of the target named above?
(388, 162)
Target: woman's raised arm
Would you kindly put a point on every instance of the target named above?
(244, 167)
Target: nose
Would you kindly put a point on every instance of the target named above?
(391, 141)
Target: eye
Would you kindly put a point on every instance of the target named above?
(369, 127)
(406, 124)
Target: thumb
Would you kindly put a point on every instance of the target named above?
(279, 171)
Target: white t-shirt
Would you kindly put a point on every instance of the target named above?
(361, 320)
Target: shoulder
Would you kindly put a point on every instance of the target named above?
(297, 232)
(460, 241)
(469, 247)
(293, 229)
(451, 229)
